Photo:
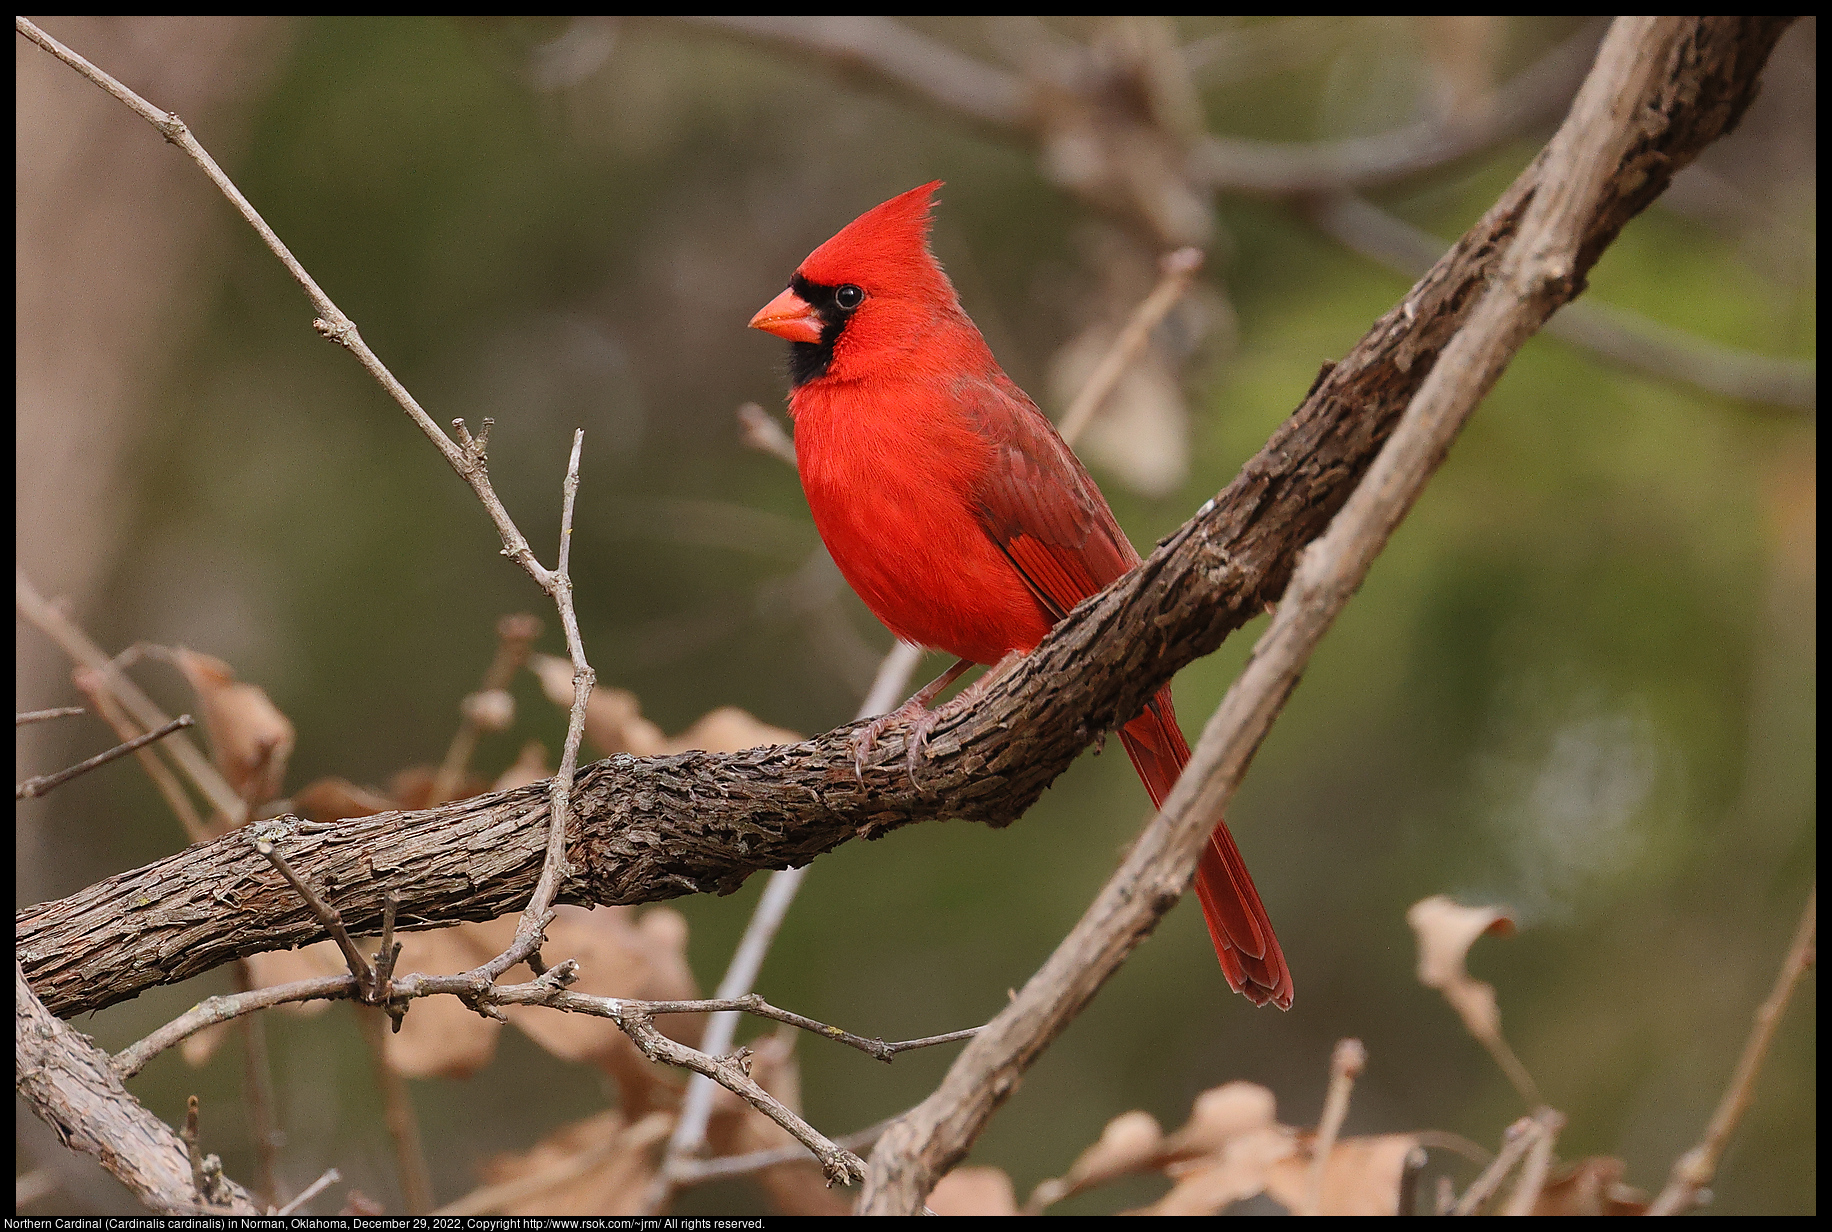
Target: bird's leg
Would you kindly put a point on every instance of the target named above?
(915, 712)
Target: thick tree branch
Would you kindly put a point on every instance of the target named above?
(69, 1084)
(658, 828)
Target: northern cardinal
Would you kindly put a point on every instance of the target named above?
(957, 513)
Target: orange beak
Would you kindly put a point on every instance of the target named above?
(789, 316)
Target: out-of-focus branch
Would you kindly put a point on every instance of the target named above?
(1606, 158)
(1695, 1169)
(1259, 168)
(39, 784)
(884, 51)
(655, 829)
(1614, 335)
(44, 615)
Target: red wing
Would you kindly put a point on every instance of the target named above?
(1038, 504)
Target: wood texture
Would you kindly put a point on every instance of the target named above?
(653, 829)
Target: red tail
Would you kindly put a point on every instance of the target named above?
(1231, 907)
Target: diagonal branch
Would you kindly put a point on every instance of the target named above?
(1605, 157)
(652, 829)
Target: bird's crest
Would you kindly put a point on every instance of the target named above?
(887, 245)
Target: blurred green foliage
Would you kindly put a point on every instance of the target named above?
(1581, 681)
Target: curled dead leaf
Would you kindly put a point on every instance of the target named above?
(614, 721)
(1446, 930)
(1130, 1143)
(602, 1165)
(620, 954)
(493, 710)
(974, 1191)
(250, 740)
(1591, 1186)
(1362, 1176)
(441, 1036)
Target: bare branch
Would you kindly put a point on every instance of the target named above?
(1613, 335)
(1695, 1169)
(1345, 1065)
(882, 50)
(1176, 271)
(1538, 1167)
(330, 1178)
(67, 1083)
(40, 716)
(1605, 162)
(1259, 168)
(44, 616)
(655, 829)
(38, 785)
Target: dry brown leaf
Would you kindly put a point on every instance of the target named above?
(614, 722)
(1446, 929)
(530, 767)
(1219, 1114)
(492, 710)
(266, 970)
(729, 730)
(1237, 1172)
(620, 954)
(412, 788)
(1591, 1186)
(1130, 1143)
(1362, 1177)
(334, 799)
(599, 1166)
(974, 1191)
(250, 740)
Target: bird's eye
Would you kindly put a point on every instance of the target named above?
(849, 296)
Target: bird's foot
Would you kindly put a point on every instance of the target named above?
(914, 712)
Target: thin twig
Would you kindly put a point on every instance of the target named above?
(40, 716)
(1538, 1167)
(327, 916)
(698, 1171)
(212, 1010)
(1345, 1065)
(398, 1114)
(839, 1165)
(1614, 335)
(1175, 273)
(189, 1135)
(1694, 1170)
(1515, 1143)
(1576, 177)
(38, 785)
(45, 616)
(330, 1178)
(761, 431)
(258, 1093)
(514, 635)
(94, 686)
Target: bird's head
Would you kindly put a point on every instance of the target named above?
(871, 294)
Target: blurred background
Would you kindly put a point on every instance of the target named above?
(1580, 682)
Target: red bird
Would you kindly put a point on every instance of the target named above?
(955, 510)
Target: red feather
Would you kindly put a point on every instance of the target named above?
(955, 510)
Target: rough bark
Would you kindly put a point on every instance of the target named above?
(652, 829)
(68, 1082)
